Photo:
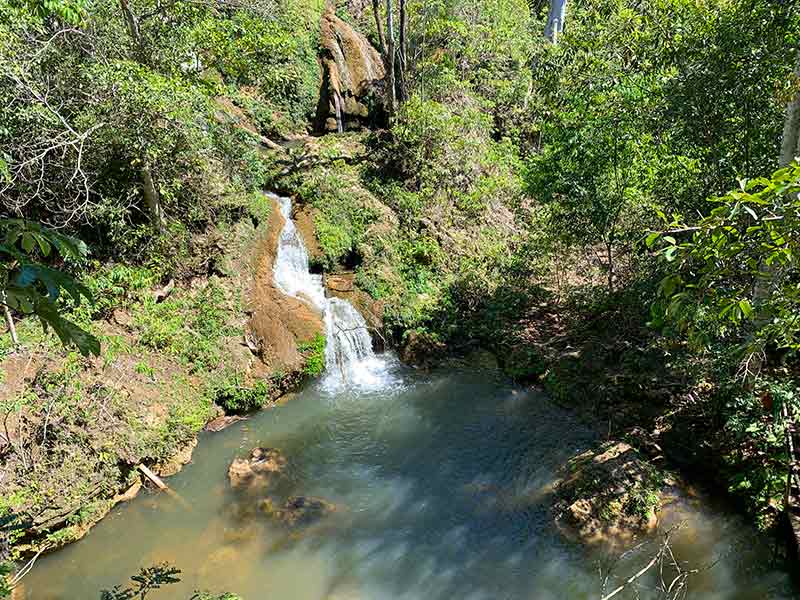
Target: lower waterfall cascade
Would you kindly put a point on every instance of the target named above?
(349, 356)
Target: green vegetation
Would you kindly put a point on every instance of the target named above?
(550, 202)
(314, 352)
(612, 210)
(234, 394)
(154, 578)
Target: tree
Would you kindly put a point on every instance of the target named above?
(376, 10)
(735, 277)
(790, 144)
(402, 55)
(391, 83)
(740, 261)
(768, 273)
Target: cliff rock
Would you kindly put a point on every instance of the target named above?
(353, 78)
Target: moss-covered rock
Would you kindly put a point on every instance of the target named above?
(608, 495)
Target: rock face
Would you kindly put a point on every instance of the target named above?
(342, 285)
(353, 78)
(277, 321)
(421, 349)
(258, 469)
(298, 511)
(177, 461)
(222, 422)
(608, 495)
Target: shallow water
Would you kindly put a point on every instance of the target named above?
(442, 483)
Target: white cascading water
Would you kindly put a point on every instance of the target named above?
(349, 358)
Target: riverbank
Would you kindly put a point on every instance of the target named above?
(176, 354)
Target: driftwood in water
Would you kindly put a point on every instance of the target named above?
(163, 486)
(153, 477)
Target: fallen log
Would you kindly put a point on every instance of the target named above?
(153, 477)
(163, 486)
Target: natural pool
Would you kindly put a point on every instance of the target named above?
(442, 486)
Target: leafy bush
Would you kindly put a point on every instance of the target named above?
(236, 396)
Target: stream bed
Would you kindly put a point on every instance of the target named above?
(442, 483)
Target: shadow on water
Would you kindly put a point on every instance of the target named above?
(443, 490)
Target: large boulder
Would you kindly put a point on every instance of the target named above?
(608, 495)
(258, 469)
(353, 77)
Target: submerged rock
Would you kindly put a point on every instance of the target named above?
(258, 468)
(298, 511)
(608, 495)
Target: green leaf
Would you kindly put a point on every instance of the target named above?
(651, 239)
(746, 308)
(68, 332)
(28, 243)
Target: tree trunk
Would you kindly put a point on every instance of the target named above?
(610, 265)
(403, 54)
(768, 275)
(12, 329)
(790, 147)
(555, 20)
(376, 9)
(132, 23)
(152, 199)
(391, 98)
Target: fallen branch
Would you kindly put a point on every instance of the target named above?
(26, 569)
(163, 486)
(153, 477)
(636, 576)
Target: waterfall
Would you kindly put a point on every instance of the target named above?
(349, 357)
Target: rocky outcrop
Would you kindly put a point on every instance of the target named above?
(221, 422)
(177, 461)
(298, 511)
(258, 469)
(421, 349)
(608, 495)
(353, 78)
(278, 322)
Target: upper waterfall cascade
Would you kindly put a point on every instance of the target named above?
(349, 357)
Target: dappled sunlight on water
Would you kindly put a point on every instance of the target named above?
(443, 490)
